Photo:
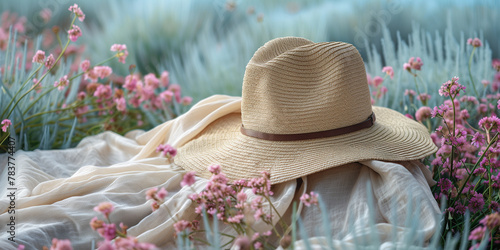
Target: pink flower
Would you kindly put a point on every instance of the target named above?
(488, 123)
(476, 203)
(188, 179)
(410, 92)
(389, 71)
(181, 226)
(166, 150)
(61, 244)
(423, 113)
(39, 57)
(413, 64)
(164, 79)
(121, 50)
(186, 100)
(214, 169)
(62, 83)
(451, 88)
(105, 208)
(241, 197)
(103, 71)
(5, 124)
(121, 104)
(20, 247)
(424, 97)
(162, 193)
(78, 12)
(242, 242)
(474, 42)
(166, 96)
(495, 63)
(50, 61)
(478, 140)
(96, 223)
(309, 200)
(106, 245)
(377, 81)
(151, 80)
(85, 65)
(74, 33)
(107, 231)
(477, 234)
(103, 92)
(151, 193)
(491, 221)
(46, 14)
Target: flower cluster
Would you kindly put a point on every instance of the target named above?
(157, 196)
(375, 83)
(413, 64)
(5, 124)
(474, 42)
(167, 150)
(115, 238)
(451, 88)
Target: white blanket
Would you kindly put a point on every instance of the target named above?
(57, 189)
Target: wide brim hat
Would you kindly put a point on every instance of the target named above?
(306, 107)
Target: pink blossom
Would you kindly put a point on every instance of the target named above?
(78, 12)
(92, 75)
(423, 113)
(309, 200)
(96, 223)
(164, 78)
(106, 245)
(103, 92)
(241, 197)
(258, 245)
(186, 100)
(103, 71)
(107, 231)
(477, 234)
(5, 124)
(377, 81)
(188, 179)
(474, 42)
(389, 71)
(105, 208)
(151, 193)
(85, 65)
(121, 50)
(423, 97)
(20, 247)
(121, 104)
(45, 14)
(50, 61)
(81, 95)
(495, 63)
(166, 150)
(162, 193)
(413, 64)
(488, 123)
(151, 80)
(410, 92)
(369, 79)
(491, 221)
(74, 33)
(478, 140)
(451, 88)
(62, 83)
(61, 244)
(39, 57)
(181, 226)
(214, 169)
(166, 96)
(476, 203)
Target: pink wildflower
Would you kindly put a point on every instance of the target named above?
(451, 88)
(413, 64)
(62, 83)
(45, 14)
(474, 42)
(258, 245)
(91, 74)
(78, 12)
(39, 57)
(389, 71)
(476, 203)
(50, 61)
(410, 92)
(423, 113)
(107, 231)
(309, 200)
(241, 197)
(103, 92)
(186, 100)
(369, 79)
(495, 63)
(121, 104)
(20, 247)
(151, 80)
(81, 95)
(61, 244)
(105, 208)
(214, 169)
(188, 179)
(166, 150)
(151, 193)
(377, 81)
(164, 79)
(96, 223)
(74, 33)
(85, 65)
(423, 97)
(242, 242)
(477, 140)
(166, 96)
(488, 123)
(103, 71)
(477, 234)
(491, 221)
(5, 124)
(181, 226)
(162, 193)
(121, 50)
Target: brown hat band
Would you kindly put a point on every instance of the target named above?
(313, 135)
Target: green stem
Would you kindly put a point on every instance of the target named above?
(416, 85)
(470, 73)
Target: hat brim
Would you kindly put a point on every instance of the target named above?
(393, 137)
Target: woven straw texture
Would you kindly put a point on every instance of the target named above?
(292, 85)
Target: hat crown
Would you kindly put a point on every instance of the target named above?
(292, 86)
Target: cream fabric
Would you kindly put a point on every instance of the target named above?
(57, 189)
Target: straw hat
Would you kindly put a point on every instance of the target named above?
(305, 107)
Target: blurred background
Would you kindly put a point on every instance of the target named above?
(205, 44)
